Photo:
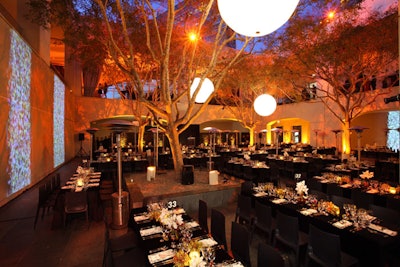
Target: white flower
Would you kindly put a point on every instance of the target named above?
(301, 188)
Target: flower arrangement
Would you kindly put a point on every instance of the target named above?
(367, 175)
(332, 208)
(189, 255)
(301, 188)
(169, 219)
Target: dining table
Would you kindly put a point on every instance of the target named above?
(89, 182)
(368, 244)
(162, 250)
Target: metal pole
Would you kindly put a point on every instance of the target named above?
(118, 137)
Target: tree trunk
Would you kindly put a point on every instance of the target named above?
(142, 128)
(346, 140)
(173, 138)
(251, 131)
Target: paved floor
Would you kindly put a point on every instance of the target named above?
(75, 245)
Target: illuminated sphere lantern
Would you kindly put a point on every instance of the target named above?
(207, 88)
(265, 105)
(255, 18)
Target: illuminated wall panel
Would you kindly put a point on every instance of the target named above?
(393, 135)
(58, 122)
(19, 120)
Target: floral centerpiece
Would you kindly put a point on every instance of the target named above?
(366, 175)
(302, 191)
(189, 255)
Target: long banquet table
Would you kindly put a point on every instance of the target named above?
(154, 243)
(367, 245)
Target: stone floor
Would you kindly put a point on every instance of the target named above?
(79, 244)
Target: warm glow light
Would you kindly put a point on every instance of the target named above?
(331, 15)
(265, 105)
(193, 37)
(207, 88)
(256, 18)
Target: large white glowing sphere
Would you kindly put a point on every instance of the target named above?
(265, 105)
(256, 18)
(207, 88)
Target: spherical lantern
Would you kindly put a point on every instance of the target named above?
(256, 18)
(207, 88)
(265, 105)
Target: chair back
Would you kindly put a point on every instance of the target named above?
(202, 216)
(361, 199)
(323, 247)
(244, 209)
(389, 217)
(287, 229)
(75, 202)
(218, 231)
(240, 243)
(263, 215)
(246, 188)
(269, 256)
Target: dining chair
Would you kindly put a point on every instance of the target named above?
(240, 243)
(288, 235)
(263, 221)
(361, 199)
(334, 189)
(244, 212)
(324, 248)
(314, 184)
(202, 215)
(218, 231)
(268, 256)
(44, 203)
(393, 203)
(76, 202)
(246, 188)
(389, 217)
(134, 257)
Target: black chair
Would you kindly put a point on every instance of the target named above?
(240, 243)
(287, 233)
(314, 184)
(267, 256)
(202, 215)
(318, 194)
(361, 199)
(389, 217)
(324, 249)
(246, 188)
(134, 257)
(393, 203)
(76, 202)
(339, 201)
(44, 203)
(263, 221)
(244, 212)
(218, 231)
(334, 189)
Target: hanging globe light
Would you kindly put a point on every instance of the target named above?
(255, 18)
(264, 105)
(207, 88)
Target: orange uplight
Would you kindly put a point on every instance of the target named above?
(193, 37)
(331, 15)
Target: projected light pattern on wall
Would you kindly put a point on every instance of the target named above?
(58, 121)
(19, 120)
(393, 135)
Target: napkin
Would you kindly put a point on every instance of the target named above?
(260, 194)
(342, 224)
(372, 191)
(161, 256)
(208, 242)
(97, 173)
(279, 201)
(141, 217)
(93, 184)
(70, 182)
(67, 187)
(308, 212)
(346, 185)
(382, 229)
(78, 189)
(94, 180)
(192, 224)
(150, 231)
